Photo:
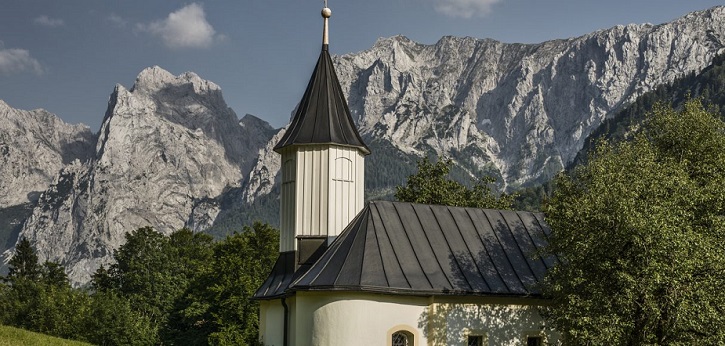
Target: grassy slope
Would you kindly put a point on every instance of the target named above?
(15, 336)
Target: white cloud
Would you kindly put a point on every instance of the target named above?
(185, 28)
(117, 20)
(49, 22)
(13, 60)
(464, 8)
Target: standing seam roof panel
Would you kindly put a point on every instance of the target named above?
(526, 245)
(461, 256)
(484, 260)
(391, 266)
(439, 243)
(351, 270)
(511, 249)
(423, 252)
(373, 271)
(460, 218)
(498, 253)
(538, 237)
(402, 247)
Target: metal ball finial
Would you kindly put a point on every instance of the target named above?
(326, 14)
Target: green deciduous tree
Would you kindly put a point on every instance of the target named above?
(39, 297)
(110, 320)
(432, 185)
(153, 271)
(217, 309)
(640, 231)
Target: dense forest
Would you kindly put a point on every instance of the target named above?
(181, 289)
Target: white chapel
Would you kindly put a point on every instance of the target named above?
(389, 273)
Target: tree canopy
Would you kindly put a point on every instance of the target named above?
(639, 231)
(432, 185)
(24, 264)
(177, 289)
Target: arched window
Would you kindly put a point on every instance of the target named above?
(343, 170)
(402, 338)
(402, 335)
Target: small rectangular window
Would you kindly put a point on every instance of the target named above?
(310, 248)
(534, 341)
(475, 340)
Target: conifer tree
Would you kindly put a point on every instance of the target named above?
(24, 264)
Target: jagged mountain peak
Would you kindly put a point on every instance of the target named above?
(34, 146)
(523, 109)
(38, 115)
(167, 149)
(386, 41)
(712, 12)
(254, 121)
(155, 79)
(187, 100)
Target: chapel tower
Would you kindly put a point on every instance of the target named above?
(322, 164)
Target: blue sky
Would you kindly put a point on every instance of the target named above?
(66, 56)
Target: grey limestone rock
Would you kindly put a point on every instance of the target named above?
(524, 108)
(34, 146)
(167, 147)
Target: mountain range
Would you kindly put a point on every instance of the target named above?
(170, 153)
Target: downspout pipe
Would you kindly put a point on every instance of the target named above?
(285, 337)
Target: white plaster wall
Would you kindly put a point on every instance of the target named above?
(501, 324)
(352, 319)
(332, 318)
(271, 322)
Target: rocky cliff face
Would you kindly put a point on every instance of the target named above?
(166, 149)
(34, 147)
(523, 110)
(520, 112)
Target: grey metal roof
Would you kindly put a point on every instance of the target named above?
(282, 275)
(417, 249)
(323, 116)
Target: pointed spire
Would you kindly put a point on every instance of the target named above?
(326, 14)
(323, 116)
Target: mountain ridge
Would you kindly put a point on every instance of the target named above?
(166, 148)
(170, 153)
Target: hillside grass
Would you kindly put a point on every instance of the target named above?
(10, 336)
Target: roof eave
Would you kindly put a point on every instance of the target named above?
(281, 149)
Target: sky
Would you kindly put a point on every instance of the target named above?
(67, 56)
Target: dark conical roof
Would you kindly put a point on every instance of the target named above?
(323, 116)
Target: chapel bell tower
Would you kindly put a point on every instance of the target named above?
(323, 160)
